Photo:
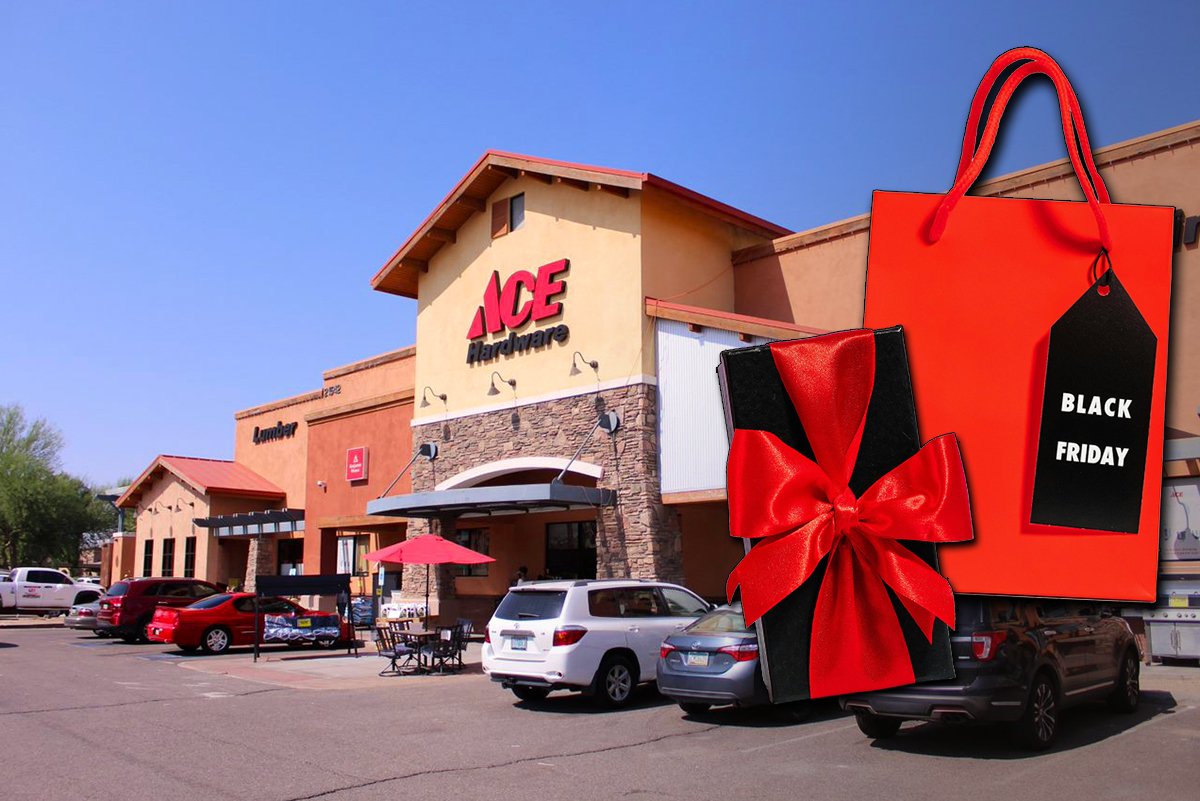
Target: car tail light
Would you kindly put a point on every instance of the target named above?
(487, 634)
(86, 613)
(665, 649)
(568, 635)
(741, 653)
(985, 644)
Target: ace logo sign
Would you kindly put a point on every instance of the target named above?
(1091, 459)
(524, 297)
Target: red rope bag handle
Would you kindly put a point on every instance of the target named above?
(972, 159)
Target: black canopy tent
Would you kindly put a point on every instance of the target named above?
(337, 584)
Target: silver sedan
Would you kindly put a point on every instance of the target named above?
(83, 616)
(714, 661)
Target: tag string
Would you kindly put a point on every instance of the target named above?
(1103, 254)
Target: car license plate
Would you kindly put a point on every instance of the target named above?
(519, 643)
(304, 623)
(692, 659)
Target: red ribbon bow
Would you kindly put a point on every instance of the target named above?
(802, 510)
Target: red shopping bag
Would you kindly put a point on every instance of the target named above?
(1037, 332)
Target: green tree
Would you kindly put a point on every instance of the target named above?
(44, 512)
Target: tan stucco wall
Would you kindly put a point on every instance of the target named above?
(373, 376)
(598, 232)
(280, 461)
(284, 461)
(163, 496)
(822, 284)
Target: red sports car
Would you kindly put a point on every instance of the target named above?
(218, 622)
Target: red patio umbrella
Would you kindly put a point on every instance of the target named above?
(428, 550)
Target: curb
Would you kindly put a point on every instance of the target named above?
(12, 624)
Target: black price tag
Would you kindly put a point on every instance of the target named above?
(1091, 460)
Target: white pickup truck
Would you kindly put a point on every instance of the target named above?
(40, 589)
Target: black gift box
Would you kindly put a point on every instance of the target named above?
(755, 398)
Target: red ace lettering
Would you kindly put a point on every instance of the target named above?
(503, 307)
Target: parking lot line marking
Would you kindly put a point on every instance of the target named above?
(808, 736)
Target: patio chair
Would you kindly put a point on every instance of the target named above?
(442, 654)
(465, 628)
(400, 656)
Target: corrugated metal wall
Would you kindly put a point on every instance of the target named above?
(691, 421)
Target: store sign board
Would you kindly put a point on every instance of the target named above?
(280, 430)
(523, 297)
(356, 464)
(1180, 520)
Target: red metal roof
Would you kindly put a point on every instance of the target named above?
(206, 476)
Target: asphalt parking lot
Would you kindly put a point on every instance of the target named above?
(82, 717)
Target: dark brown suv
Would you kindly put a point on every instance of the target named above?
(127, 608)
(1020, 662)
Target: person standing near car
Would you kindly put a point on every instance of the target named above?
(520, 577)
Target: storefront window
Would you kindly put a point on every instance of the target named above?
(477, 540)
(189, 557)
(168, 557)
(291, 557)
(352, 554)
(148, 558)
(571, 550)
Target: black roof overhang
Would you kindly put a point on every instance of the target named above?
(485, 501)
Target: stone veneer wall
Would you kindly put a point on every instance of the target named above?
(637, 538)
(261, 560)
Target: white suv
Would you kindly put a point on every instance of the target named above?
(599, 635)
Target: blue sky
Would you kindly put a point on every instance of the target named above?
(193, 197)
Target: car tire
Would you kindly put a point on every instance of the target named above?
(1039, 723)
(527, 693)
(694, 707)
(216, 640)
(1128, 691)
(324, 643)
(877, 727)
(100, 634)
(615, 682)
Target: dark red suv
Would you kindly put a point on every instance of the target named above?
(127, 608)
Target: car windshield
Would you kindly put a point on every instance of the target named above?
(120, 588)
(725, 620)
(531, 605)
(211, 601)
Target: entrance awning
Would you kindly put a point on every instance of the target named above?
(251, 524)
(485, 501)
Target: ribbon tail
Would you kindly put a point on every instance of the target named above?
(776, 566)
(857, 642)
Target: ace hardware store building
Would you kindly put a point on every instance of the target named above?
(549, 295)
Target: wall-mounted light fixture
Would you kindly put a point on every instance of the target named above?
(579, 357)
(321, 485)
(179, 504)
(425, 396)
(512, 383)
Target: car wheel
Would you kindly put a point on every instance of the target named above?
(1038, 725)
(615, 682)
(100, 633)
(324, 643)
(216, 640)
(875, 726)
(694, 708)
(526, 693)
(1125, 695)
